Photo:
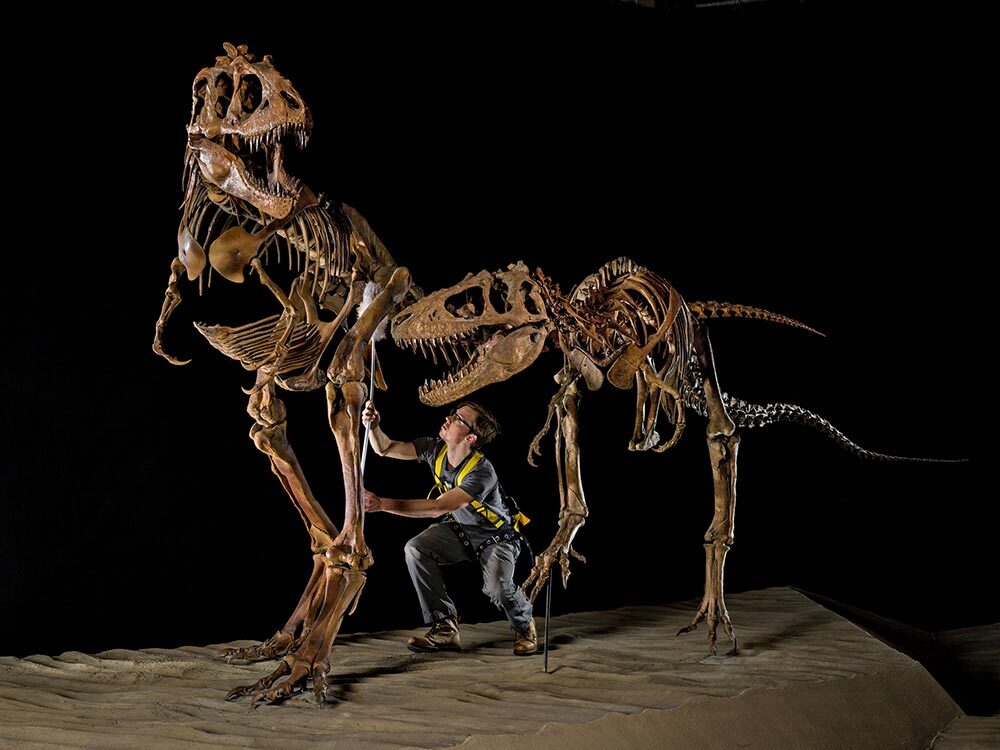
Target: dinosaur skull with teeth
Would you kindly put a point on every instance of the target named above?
(493, 324)
(244, 113)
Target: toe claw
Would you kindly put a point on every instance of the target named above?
(237, 692)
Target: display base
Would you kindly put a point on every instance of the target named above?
(803, 677)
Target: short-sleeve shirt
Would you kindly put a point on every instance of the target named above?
(481, 483)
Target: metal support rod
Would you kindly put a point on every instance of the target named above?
(548, 615)
(371, 394)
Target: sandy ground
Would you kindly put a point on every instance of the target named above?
(804, 677)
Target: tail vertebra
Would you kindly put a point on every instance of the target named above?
(759, 415)
(706, 310)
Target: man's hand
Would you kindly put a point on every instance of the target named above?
(373, 503)
(370, 416)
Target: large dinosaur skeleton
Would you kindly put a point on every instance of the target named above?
(241, 204)
(624, 325)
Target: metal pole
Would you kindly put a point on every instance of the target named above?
(368, 427)
(548, 615)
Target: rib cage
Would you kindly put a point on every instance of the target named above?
(316, 244)
(626, 303)
(254, 344)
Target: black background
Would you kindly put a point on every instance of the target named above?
(837, 167)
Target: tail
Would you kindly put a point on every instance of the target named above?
(711, 309)
(756, 415)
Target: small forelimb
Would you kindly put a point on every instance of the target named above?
(171, 298)
(565, 378)
(679, 421)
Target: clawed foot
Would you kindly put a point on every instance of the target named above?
(554, 555)
(714, 613)
(288, 688)
(265, 690)
(713, 605)
(307, 656)
(275, 647)
(261, 685)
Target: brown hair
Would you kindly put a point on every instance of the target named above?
(486, 427)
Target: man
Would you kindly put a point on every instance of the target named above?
(477, 524)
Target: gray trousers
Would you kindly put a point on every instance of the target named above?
(437, 546)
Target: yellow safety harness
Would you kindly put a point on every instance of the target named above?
(441, 486)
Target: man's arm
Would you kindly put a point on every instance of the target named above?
(382, 443)
(450, 501)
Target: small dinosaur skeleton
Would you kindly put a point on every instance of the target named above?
(242, 205)
(624, 325)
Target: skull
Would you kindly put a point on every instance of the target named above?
(244, 115)
(494, 323)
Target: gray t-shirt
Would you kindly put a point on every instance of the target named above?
(481, 483)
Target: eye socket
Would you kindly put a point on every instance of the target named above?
(251, 92)
(200, 94)
(530, 304)
(498, 298)
(223, 94)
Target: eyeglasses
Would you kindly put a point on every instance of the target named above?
(454, 417)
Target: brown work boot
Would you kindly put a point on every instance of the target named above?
(526, 643)
(443, 636)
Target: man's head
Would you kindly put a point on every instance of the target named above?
(470, 422)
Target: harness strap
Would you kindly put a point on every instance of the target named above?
(494, 519)
(506, 535)
(507, 530)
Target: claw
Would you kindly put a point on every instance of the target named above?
(713, 623)
(319, 685)
(564, 566)
(261, 685)
(239, 692)
(694, 624)
(542, 570)
(275, 695)
(256, 700)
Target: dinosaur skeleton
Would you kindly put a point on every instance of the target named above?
(241, 203)
(624, 325)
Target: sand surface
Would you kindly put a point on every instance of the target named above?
(804, 677)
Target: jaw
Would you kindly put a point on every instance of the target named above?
(497, 356)
(251, 169)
